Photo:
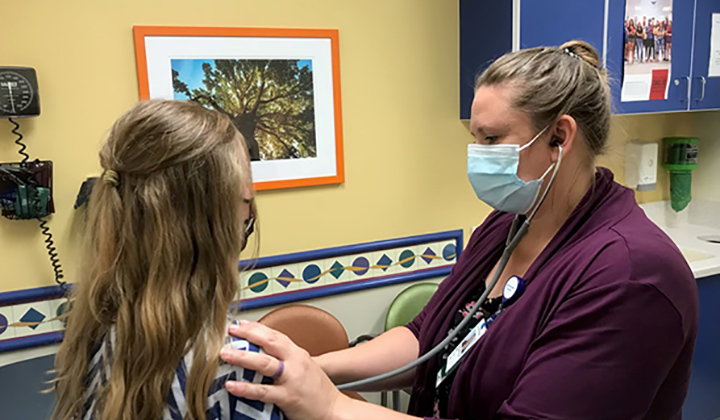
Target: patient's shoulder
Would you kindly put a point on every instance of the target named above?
(244, 408)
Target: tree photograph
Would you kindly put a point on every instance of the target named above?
(271, 102)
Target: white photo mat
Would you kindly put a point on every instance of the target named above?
(160, 50)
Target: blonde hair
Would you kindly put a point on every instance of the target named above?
(164, 234)
(554, 81)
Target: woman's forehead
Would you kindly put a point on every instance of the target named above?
(492, 110)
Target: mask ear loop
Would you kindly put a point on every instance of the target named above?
(550, 184)
(521, 218)
(526, 145)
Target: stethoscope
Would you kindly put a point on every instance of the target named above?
(518, 229)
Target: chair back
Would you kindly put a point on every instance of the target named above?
(408, 304)
(311, 328)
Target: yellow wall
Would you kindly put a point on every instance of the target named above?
(705, 177)
(404, 144)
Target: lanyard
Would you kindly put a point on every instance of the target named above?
(514, 288)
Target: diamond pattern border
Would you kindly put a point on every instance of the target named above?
(341, 270)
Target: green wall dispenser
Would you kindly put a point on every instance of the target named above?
(680, 160)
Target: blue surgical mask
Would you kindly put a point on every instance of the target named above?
(492, 170)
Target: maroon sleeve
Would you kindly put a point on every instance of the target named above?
(603, 355)
(416, 324)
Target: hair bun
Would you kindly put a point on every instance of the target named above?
(584, 51)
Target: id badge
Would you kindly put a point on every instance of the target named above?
(456, 356)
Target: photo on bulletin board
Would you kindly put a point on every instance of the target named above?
(648, 50)
(280, 87)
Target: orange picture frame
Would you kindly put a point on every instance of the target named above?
(142, 32)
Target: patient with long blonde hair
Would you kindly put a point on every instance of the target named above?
(167, 222)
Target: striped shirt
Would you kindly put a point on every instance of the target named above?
(221, 405)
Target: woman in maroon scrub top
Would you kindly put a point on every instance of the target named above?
(606, 326)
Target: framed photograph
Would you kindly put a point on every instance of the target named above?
(280, 87)
(647, 60)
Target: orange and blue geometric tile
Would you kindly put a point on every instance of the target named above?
(384, 262)
(337, 270)
(3, 324)
(33, 317)
(311, 274)
(449, 252)
(428, 256)
(361, 266)
(407, 258)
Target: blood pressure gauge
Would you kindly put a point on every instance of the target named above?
(18, 92)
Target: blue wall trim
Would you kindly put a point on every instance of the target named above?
(353, 249)
(32, 341)
(30, 295)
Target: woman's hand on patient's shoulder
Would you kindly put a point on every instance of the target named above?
(302, 391)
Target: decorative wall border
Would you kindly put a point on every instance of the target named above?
(33, 317)
(325, 272)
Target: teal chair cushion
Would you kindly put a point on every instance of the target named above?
(408, 304)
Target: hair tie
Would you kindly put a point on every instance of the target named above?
(111, 177)
(572, 54)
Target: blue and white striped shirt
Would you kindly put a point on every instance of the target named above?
(221, 404)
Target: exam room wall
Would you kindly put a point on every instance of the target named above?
(404, 144)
